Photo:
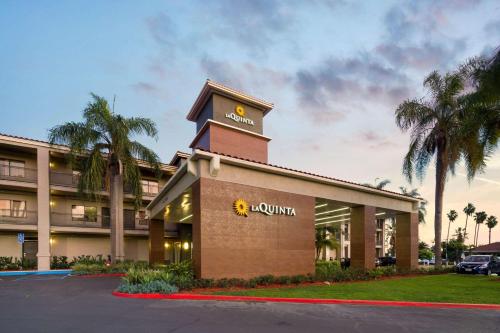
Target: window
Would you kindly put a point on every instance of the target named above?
(11, 168)
(76, 177)
(149, 186)
(84, 213)
(18, 208)
(141, 217)
(13, 208)
(106, 217)
(4, 207)
(346, 231)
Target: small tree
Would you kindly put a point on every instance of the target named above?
(491, 222)
(479, 217)
(455, 248)
(325, 238)
(424, 252)
(452, 216)
(468, 210)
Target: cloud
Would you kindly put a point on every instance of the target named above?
(493, 28)
(162, 29)
(144, 87)
(247, 76)
(338, 86)
(415, 36)
(425, 56)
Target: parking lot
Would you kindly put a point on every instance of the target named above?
(77, 304)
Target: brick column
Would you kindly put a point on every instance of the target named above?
(363, 237)
(407, 240)
(196, 227)
(156, 242)
(43, 207)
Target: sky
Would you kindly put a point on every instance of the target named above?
(335, 70)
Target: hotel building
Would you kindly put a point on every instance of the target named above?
(39, 199)
(247, 217)
(224, 205)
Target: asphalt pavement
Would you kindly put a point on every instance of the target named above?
(76, 304)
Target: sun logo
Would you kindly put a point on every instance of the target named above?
(240, 110)
(240, 207)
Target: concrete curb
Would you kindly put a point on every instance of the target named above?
(200, 297)
(23, 273)
(99, 275)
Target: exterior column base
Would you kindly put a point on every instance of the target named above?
(43, 262)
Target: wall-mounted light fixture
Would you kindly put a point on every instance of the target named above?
(185, 246)
(185, 218)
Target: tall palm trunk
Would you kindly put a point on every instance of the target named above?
(489, 236)
(465, 229)
(475, 233)
(447, 238)
(116, 209)
(441, 168)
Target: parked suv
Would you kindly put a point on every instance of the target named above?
(479, 264)
(386, 261)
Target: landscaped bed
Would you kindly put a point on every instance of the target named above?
(450, 288)
(161, 279)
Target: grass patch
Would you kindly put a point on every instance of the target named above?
(451, 288)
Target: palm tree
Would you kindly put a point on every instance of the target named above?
(479, 217)
(102, 147)
(468, 210)
(491, 222)
(325, 240)
(422, 208)
(379, 185)
(452, 216)
(483, 103)
(436, 131)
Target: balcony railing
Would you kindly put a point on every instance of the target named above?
(97, 221)
(71, 180)
(20, 174)
(14, 216)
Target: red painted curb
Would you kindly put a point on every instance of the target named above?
(200, 297)
(100, 275)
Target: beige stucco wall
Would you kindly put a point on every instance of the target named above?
(73, 246)
(9, 247)
(286, 183)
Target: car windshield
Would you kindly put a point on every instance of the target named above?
(477, 259)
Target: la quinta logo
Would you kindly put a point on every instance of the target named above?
(242, 208)
(239, 116)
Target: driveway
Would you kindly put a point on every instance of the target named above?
(77, 304)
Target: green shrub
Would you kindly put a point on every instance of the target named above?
(89, 260)
(137, 276)
(296, 279)
(252, 283)
(60, 262)
(204, 283)
(284, 280)
(265, 280)
(183, 274)
(155, 286)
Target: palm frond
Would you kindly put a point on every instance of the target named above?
(138, 125)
